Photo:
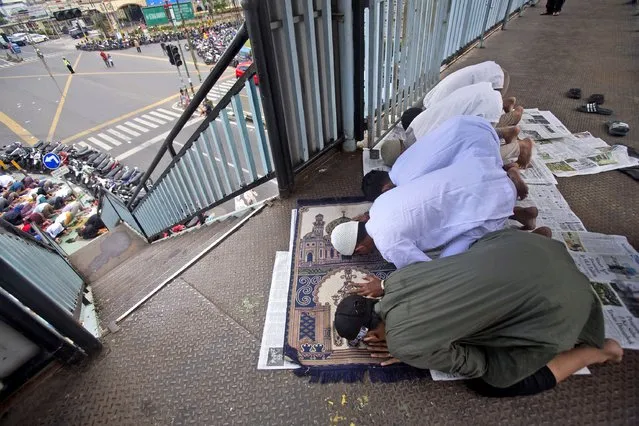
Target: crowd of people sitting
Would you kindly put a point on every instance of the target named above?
(506, 307)
(52, 207)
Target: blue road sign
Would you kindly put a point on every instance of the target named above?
(51, 161)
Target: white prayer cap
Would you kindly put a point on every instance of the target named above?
(344, 237)
(389, 150)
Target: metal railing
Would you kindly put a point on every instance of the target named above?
(328, 71)
(406, 43)
(43, 280)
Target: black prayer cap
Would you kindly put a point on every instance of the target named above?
(353, 313)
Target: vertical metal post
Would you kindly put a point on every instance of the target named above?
(489, 5)
(259, 29)
(503, 24)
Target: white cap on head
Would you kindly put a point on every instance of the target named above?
(390, 150)
(344, 237)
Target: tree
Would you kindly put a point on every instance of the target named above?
(220, 5)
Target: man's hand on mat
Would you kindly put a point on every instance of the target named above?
(372, 287)
(380, 350)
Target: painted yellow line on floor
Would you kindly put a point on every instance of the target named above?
(156, 58)
(122, 117)
(80, 74)
(63, 99)
(16, 128)
(129, 114)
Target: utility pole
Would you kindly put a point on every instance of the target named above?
(177, 2)
(188, 40)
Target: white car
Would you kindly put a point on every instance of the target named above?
(37, 38)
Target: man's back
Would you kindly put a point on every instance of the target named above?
(456, 138)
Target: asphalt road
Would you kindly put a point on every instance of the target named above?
(126, 110)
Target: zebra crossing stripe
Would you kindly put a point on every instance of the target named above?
(99, 143)
(84, 144)
(162, 116)
(136, 127)
(166, 111)
(119, 135)
(127, 130)
(146, 123)
(108, 138)
(153, 119)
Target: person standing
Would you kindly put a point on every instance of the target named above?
(553, 7)
(105, 58)
(68, 64)
(136, 43)
(110, 59)
(163, 46)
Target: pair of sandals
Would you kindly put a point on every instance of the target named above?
(553, 14)
(594, 102)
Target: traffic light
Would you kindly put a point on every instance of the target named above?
(63, 15)
(174, 55)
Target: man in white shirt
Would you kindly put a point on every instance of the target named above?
(6, 181)
(479, 100)
(458, 137)
(488, 71)
(55, 229)
(451, 207)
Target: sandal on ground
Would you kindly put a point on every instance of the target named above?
(574, 93)
(596, 98)
(545, 13)
(618, 128)
(593, 108)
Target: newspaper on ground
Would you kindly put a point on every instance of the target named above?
(612, 265)
(272, 347)
(538, 174)
(582, 154)
(441, 376)
(538, 125)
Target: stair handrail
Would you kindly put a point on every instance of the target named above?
(220, 67)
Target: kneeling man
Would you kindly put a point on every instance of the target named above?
(513, 312)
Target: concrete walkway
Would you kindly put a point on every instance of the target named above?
(189, 355)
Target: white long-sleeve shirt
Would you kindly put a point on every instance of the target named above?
(479, 99)
(458, 137)
(451, 208)
(488, 71)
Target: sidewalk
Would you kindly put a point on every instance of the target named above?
(189, 355)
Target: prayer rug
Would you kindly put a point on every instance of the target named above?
(320, 279)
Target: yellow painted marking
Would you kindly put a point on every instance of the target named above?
(80, 74)
(16, 165)
(63, 99)
(16, 128)
(4, 166)
(116, 119)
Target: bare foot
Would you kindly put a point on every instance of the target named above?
(543, 230)
(518, 181)
(508, 134)
(525, 152)
(509, 104)
(613, 351)
(527, 216)
(517, 113)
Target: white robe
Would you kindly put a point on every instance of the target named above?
(479, 99)
(456, 138)
(451, 207)
(488, 71)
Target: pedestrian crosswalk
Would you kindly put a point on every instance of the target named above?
(126, 132)
(26, 59)
(220, 89)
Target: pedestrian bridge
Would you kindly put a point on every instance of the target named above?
(183, 316)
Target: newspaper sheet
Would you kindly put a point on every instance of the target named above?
(612, 265)
(538, 174)
(272, 347)
(441, 376)
(582, 154)
(538, 125)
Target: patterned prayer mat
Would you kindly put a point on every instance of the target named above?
(320, 279)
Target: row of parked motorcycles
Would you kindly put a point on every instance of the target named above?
(113, 43)
(209, 45)
(92, 169)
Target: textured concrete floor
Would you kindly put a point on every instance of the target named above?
(189, 354)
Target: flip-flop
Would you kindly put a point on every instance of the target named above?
(574, 93)
(618, 128)
(593, 108)
(596, 98)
